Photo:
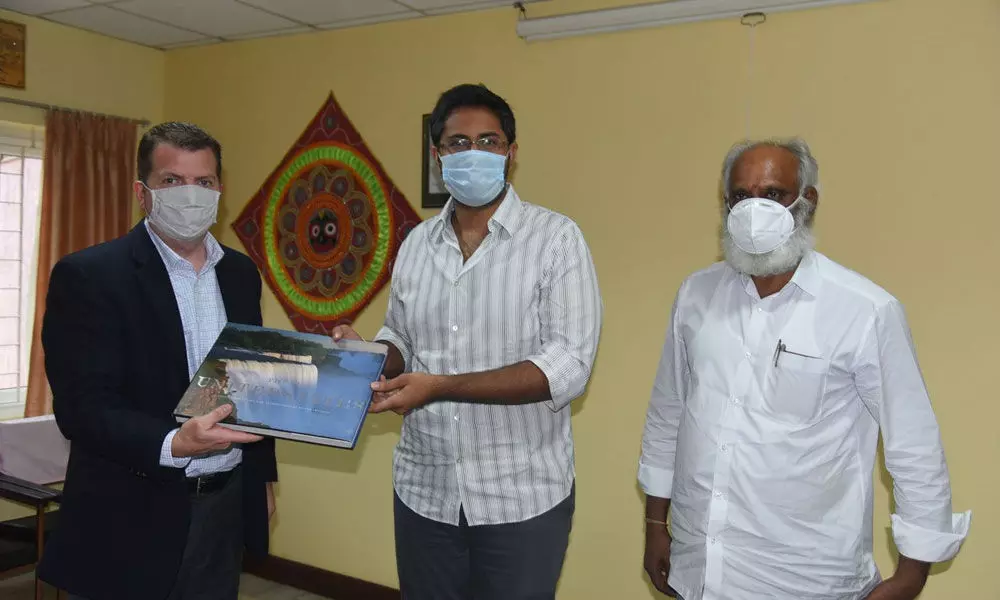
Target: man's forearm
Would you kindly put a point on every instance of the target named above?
(520, 383)
(905, 584)
(912, 574)
(657, 509)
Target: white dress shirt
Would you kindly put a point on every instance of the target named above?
(203, 316)
(768, 456)
(528, 293)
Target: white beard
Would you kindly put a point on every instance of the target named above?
(782, 259)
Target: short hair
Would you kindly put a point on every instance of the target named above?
(471, 95)
(182, 135)
(808, 175)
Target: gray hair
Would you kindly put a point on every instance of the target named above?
(808, 167)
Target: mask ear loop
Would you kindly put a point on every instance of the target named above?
(152, 196)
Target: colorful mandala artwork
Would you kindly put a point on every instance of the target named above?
(325, 227)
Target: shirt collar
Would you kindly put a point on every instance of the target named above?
(806, 277)
(175, 262)
(506, 216)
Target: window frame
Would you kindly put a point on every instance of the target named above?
(24, 141)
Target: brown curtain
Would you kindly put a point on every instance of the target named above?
(87, 180)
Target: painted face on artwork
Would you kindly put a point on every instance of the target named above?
(323, 231)
(475, 157)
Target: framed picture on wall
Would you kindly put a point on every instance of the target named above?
(12, 39)
(433, 193)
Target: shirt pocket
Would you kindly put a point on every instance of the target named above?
(796, 383)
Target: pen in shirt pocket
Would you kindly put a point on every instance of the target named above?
(781, 347)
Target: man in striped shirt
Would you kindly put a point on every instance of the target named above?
(493, 322)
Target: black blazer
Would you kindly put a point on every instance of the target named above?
(116, 362)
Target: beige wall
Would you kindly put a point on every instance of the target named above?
(77, 69)
(624, 132)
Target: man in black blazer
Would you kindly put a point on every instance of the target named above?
(151, 510)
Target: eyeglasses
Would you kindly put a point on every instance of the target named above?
(486, 144)
(777, 194)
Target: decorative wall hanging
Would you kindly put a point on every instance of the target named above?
(325, 227)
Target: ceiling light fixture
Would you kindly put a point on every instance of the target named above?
(655, 15)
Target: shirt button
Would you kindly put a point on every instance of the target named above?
(749, 355)
(454, 327)
(456, 283)
(456, 417)
(724, 448)
(713, 541)
(718, 494)
(759, 309)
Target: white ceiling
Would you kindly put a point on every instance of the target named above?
(175, 23)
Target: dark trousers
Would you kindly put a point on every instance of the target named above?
(213, 556)
(516, 561)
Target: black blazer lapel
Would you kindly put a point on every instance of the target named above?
(159, 296)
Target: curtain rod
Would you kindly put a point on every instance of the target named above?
(43, 106)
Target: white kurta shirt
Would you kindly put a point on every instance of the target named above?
(762, 430)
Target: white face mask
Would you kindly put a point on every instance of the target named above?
(782, 259)
(183, 212)
(760, 225)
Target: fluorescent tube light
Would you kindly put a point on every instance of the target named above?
(655, 15)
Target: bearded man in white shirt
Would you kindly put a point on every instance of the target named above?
(779, 370)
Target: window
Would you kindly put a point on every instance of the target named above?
(20, 201)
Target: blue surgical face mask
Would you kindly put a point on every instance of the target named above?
(474, 177)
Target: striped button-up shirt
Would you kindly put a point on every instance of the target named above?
(528, 293)
(203, 315)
